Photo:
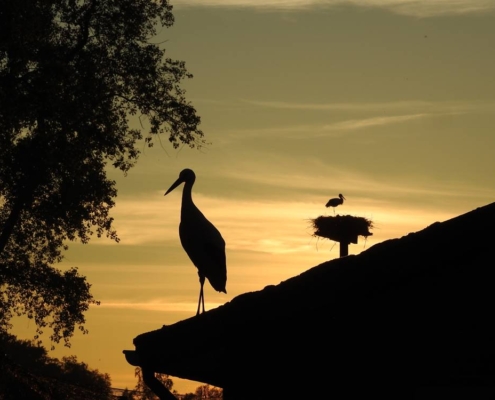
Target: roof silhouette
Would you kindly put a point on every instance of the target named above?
(399, 319)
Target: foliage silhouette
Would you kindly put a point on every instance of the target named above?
(71, 74)
(143, 392)
(205, 392)
(127, 395)
(28, 373)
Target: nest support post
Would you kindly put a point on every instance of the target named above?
(344, 229)
(344, 249)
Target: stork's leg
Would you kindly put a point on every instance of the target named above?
(199, 302)
(202, 281)
(201, 299)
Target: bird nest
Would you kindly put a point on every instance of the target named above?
(342, 228)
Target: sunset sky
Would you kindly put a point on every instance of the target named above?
(390, 102)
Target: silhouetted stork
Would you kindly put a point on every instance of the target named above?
(200, 239)
(337, 201)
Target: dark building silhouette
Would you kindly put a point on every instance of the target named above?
(409, 318)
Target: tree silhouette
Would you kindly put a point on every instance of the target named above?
(143, 392)
(29, 373)
(71, 74)
(205, 392)
(127, 395)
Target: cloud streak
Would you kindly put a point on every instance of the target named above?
(372, 122)
(396, 106)
(374, 114)
(416, 8)
(160, 305)
(305, 181)
(334, 129)
(241, 220)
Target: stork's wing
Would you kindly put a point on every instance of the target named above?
(206, 248)
(217, 271)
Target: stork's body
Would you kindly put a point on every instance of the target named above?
(337, 201)
(200, 239)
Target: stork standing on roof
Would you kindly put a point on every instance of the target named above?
(200, 239)
(337, 201)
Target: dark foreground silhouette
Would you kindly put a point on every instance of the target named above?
(409, 318)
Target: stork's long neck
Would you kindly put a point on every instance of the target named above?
(187, 202)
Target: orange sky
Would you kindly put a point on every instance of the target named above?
(390, 103)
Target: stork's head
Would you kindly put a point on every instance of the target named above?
(342, 196)
(186, 175)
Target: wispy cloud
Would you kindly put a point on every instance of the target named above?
(298, 193)
(283, 105)
(372, 122)
(333, 129)
(161, 305)
(374, 114)
(396, 106)
(313, 174)
(417, 8)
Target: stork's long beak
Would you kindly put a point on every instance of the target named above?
(174, 185)
(344, 197)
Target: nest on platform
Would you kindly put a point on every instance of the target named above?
(342, 228)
